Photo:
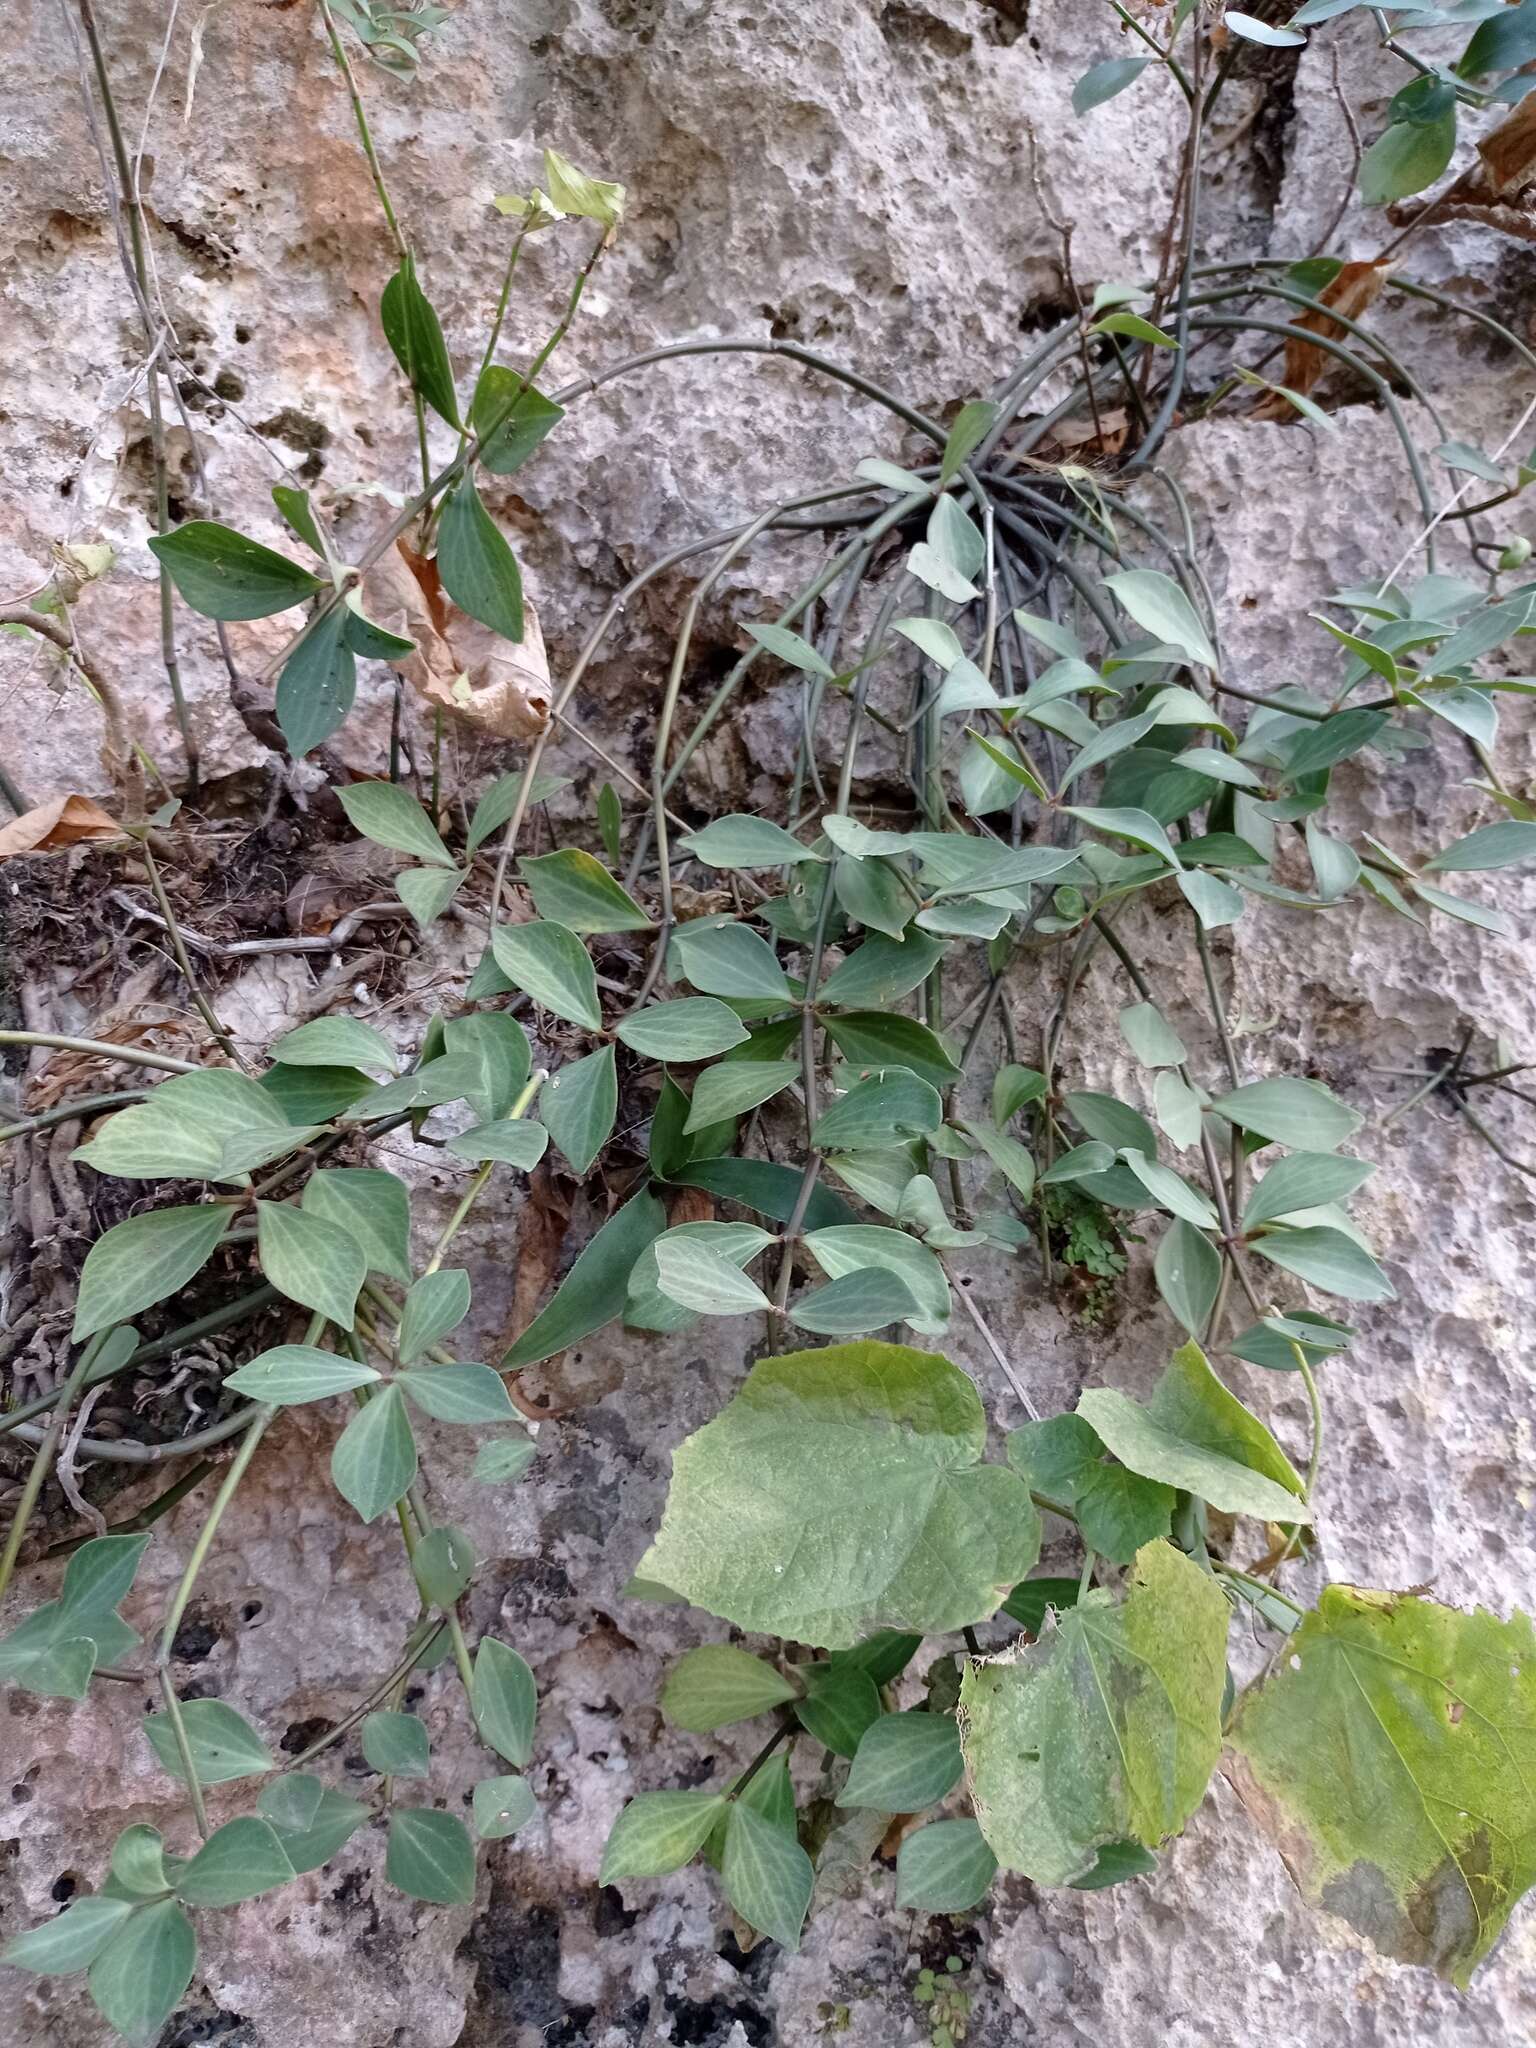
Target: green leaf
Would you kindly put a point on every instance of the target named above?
(499, 802)
(374, 1461)
(318, 683)
(99, 1575)
(1290, 1112)
(878, 1113)
(291, 1373)
(505, 1700)
(1408, 156)
(1105, 1730)
(1137, 329)
(1304, 1180)
(225, 576)
(658, 1832)
(427, 892)
(503, 1459)
(1272, 1342)
(1029, 1603)
(839, 1491)
(1101, 82)
(867, 1299)
(731, 960)
(945, 1867)
(595, 1289)
(223, 1743)
(1139, 826)
(1111, 1122)
(735, 1086)
(548, 962)
(364, 638)
(71, 1940)
(718, 1684)
(972, 424)
(459, 1392)
(1117, 1862)
(692, 1028)
(882, 970)
(759, 1184)
(1160, 608)
(436, 1304)
(1195, 1435)
(430, 1856)
(693, 1274)
(298, 515)
(313, 1095)
(397, 1746)
(577, 891)
(1388, 1756)
(1151, 1037)
(443, 1563)
(852, 1248)
(501, 1806)
(139, 1978)
(511, 1143)
(741, 841)
(1491, 846)
(493, 1049)
(1188, 1273)
(1006, 1154)
(390, 816)
(904, 1763)
(1117, 1510)
(579, 1106)
(1255, 31)
(240, 1860)
(211, 1125)
(526, 417)
(1328, 1259)
(873, 1042)
(312, 1261)
(791, 648)
(415, 336)
(1171, 1192)
(841, 1703)
(372, 1207)
(312, 1820)
(573, 191)
(141, 1261)
(478, 570)
(767, 1876)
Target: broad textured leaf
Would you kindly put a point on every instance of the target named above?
(332, 1820)
(690, 1272)
(1117, 1510)
(197, 1126)
(1005, 1153)
(374, 1461)
(866, 1299)
(579, 1105)
(223, 1743)
(575, 889)
(1329, 1260)
(718, 1684)
(141, 1261)
(731, 960)
(505, 1700)
(1170, 1191)
(397, 1745)
(443, 1564)
(759, 1184)
(841, 1703)
(493, 1051)
(238, 1861)
(735, 1086)
(1030, 1603)
(549, 963)
(840, 1491)
(739, 841)
(436, 1304)
(904, 1763)
(692, 1028)
(460, 1392)
(501, 1806)
(1111, 1122)
(1392, 1756)
(658, 1832)
(1195, 1435)
(767, 1876)
(299, 1372)
(878, 1113)
(945, 1867)
(882, 970)
(372, 1207)
(415, 336)
(478, 569)
(225, 576)
(390, 816)
(594, 1291)
(510, 1142)
(139, 1978)
(430, 1856)
(312, 1261)
(1105, 1730)
(1290, 1112)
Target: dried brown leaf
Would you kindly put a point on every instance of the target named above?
(62, 821)
(460, 666)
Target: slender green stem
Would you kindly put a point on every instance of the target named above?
(42, 1463)
(135, 1055)
(455, 1222)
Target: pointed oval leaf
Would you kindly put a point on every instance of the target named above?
(945, 1867)
(580, 1105)
(904, 1763)
(430, 1856)
(372, 1207)
(501, 1806)
(397, 1745)
(658, 1832)
(390, 816)
(505, 1700)
(223, 1743)
(290, 1373)
(478, 569)
(139, 1978)
(436, 1304)
(139, 1262)
(718, 1684)
(549, 963)
(691, 1028)
(575, 890)
(240, 1860)
(374, 1462)
(460, 1392)
(767, 1875)
(225, 576)
(312, 1261)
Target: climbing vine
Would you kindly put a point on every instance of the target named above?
(867, 1129)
